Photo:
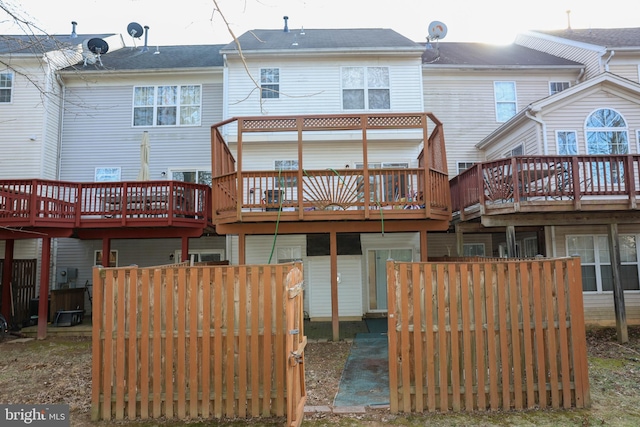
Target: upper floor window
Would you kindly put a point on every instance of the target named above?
(6, 87)
(366, 88)
(270, 83)
(505, 96)
(606, 133)
(517, 151)
(167, 105)
(463, 166)
(567, 143)
(555, 87)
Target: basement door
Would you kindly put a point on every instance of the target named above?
(377, 264)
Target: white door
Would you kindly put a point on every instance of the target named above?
(377, 267)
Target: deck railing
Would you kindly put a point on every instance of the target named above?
(412, 193)
(547, 179)
(40, 202)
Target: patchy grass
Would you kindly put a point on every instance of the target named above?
(58, 370)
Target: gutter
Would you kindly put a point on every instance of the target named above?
(543, 125)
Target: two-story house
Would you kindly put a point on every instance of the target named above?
(317, 147)
(577, 181)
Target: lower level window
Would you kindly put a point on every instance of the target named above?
(201, 255)
(595, 259)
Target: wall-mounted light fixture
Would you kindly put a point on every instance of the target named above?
(163, 174)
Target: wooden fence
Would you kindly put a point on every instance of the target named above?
(187, 342)
(23, 283)
(493, 335)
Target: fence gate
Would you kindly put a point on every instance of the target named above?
(296, 342)
(487, 335)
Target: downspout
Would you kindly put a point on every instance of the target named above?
(225, 93)
(543, 125)
(606, 62)
(580, 75)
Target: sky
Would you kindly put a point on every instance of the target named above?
(198, 22)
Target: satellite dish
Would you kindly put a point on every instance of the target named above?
(97, 46)
(135, 30)
(437, 30)
(92, 49)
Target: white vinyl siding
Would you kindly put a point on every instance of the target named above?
(589, 56)
(313, 85)
(451, 94)
(87, 146)
(349, 288)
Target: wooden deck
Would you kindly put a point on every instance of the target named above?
(304, 195)
(66, 206)
(548, 185)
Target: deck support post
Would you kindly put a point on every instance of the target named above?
(424, 255)
(242, 251)
(335, 324)
(511, 241)
(43, 303)
(185, 249)
(618, 290)
(106, 252)
(459, 241)
(7, 271)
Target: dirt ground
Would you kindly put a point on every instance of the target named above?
(58, 370)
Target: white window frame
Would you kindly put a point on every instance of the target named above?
(197, 171)
(286, 165)
(468, 248)
(622, 129)
(199, 253)
(365, 87)
(178, 105)
(466, 165)
(553, 86)
(530, 247)
(269, 82)
(286, 254)
(96, 253)
(498, 101)
(107, 174)
(601, 247)
(518, 150)
(9, 87)
(566, 133)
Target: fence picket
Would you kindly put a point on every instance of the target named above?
(133, 349)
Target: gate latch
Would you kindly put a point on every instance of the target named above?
(296, 358)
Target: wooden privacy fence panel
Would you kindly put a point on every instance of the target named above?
(486, 335)
(23, 289)
(186, 342)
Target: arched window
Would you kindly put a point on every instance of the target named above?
(607, 133)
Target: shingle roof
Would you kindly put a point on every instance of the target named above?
(487, 55)
(39, 44)
(607, 37)
(323, 39)
(168, 57)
